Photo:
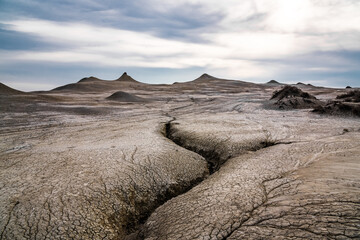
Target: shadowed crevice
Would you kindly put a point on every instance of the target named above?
(213, 156)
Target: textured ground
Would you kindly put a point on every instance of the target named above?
(306, 189)
(75, 165)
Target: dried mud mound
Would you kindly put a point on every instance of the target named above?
(86, 85)
(339, 109)
(345, 105)
(290, 97)
(90, 79)
(290, 91)
(205, 76)
(273, 83)
(353, 96)
(126, 78)
(121, 96)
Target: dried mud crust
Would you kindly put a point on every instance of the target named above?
(292, 191)
(324, 204)
(82, 167)
(90, 181)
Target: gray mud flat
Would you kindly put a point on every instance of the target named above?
(207, 159)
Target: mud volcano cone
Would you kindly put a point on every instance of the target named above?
(126, 78)
(121, 96)
(290, 97)
(290, 91)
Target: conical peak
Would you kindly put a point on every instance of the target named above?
(125, 77)
(205, 75)
(273, 82)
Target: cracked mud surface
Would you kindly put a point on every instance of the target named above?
(304, 190)
(78, 166)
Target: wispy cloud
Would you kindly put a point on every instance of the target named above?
(114, 47)
(253, 39)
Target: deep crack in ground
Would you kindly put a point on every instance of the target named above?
(212, 157)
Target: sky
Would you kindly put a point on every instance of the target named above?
(45, 44)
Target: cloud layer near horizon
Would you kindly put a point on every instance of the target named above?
(314, 41)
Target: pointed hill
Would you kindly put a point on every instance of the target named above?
(93, 84)
(204, 78)
(273, 83)
(220, 82)
(210, 84)
(126, 78)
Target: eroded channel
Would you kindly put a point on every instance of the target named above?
(214, 157)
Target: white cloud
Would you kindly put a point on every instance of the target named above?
(316, 16)
(114, 47)
(289, 16)
(285, 30)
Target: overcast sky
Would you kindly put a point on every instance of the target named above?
(44, 44)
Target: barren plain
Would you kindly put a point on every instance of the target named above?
(205, 159)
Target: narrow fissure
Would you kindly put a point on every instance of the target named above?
(212, 158)
(214, 161)
(173, 191)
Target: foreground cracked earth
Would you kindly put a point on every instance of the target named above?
(301, 190)
(83, 167)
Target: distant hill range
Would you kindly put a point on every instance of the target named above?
(125, 81)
